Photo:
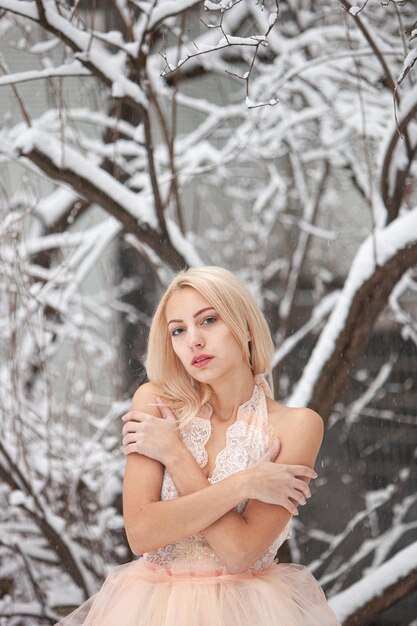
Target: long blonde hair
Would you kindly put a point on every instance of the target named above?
(238, 309)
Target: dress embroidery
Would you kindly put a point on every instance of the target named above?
(247, 441)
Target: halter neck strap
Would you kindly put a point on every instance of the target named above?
(260, 380)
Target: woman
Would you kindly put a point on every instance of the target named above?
(210, 489)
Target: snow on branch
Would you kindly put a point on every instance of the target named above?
(110, 68)
(21, 7)
(409, 62)
(19, 610)
(49, 242)
(319, 313)
(168, 9)
(52, 207)
(336, 542)
(404, 317)
(230, 22)
(356, 408)
(375, 252)
(397, 154)
(13, 473)
(389, 582)
(86, 177)
(90, 248)
(226, 41)
(88, 180)
(180, 242)
(70, 69)
(101, 119)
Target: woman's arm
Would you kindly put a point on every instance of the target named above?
(240, 540)
(151, 523)
(142, 488)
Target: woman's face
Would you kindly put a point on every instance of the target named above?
(200, 338)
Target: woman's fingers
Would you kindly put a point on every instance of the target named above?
(131, 427)
(272, 452)
(130, 416)
(130, 438)
(302, 470)
(281, 483)
(137, 416)
(300, 491)
(131, 448)
(166, 412)
(302, 486)
(298, 496)
(140, 421)
(290, 506)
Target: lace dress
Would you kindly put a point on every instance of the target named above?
(185, 583)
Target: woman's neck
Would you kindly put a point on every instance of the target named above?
(230, 392)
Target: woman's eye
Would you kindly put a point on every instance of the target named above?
(209, 320)
(176, 332)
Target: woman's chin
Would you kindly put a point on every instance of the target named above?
(204, 375)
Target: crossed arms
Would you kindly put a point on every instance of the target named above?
(272, 488)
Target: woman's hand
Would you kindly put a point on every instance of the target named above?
(276, 483)
(156, 437)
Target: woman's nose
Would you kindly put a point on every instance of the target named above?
(195, 340)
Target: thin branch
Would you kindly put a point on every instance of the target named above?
(153, 174)
(20, 101)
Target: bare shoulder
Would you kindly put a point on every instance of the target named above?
(145, 397)
(296, 428)
(283, 417)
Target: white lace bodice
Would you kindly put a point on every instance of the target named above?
(247, 441)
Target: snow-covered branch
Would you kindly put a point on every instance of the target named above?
(63, 163)
(71, 69)
(379, 589)
(388, 252)
(168, 9)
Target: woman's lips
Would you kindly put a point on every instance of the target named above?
(204, 361)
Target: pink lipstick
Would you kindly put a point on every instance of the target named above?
(201, 360)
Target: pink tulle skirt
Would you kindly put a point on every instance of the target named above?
(143, 594)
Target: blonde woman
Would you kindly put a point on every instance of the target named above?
(215, 470)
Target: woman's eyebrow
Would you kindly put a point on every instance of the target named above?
(207, 308)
